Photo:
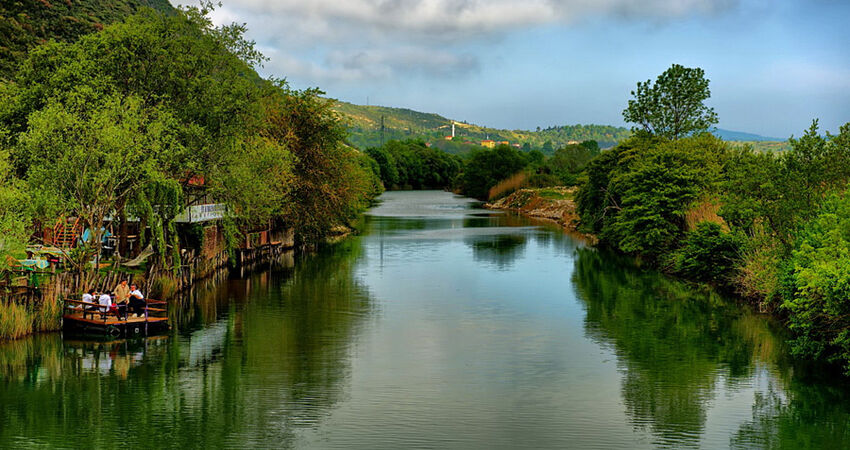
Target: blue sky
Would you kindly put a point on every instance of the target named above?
(773, 65)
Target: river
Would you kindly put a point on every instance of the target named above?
(440, 326)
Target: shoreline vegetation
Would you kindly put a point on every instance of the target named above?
(152, 149)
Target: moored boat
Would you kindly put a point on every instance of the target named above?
(85, 318)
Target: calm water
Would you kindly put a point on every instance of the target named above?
(441, 326)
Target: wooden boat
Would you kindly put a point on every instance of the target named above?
(84, 318)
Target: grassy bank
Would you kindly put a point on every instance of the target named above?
(17, 320)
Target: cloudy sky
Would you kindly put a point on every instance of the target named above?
(774, 65)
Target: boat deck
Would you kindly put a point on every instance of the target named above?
(113, 320)
(89, 319)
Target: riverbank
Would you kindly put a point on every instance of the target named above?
(554, 204)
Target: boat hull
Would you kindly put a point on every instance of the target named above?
(75, 325)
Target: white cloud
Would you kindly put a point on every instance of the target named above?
(352, 40)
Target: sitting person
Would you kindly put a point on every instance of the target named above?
(88, 297)
(137, 301)
(105, 301)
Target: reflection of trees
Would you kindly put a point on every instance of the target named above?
(272, 356)
(811, 413)
(499, 249)
(673, 341)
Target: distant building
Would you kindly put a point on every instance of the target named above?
(448, 138)
(504, 143)
(488, 143)
(516, 145)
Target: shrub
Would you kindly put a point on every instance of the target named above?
(816, 286)
(709, 254)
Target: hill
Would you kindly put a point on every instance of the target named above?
(364, 123)
(729, 135)
(25, 24)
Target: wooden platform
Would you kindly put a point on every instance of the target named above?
(91, 322)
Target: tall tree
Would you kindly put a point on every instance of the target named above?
(673, 106)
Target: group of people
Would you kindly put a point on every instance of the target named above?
(122, 300)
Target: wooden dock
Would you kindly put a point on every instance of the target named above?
(82, 318)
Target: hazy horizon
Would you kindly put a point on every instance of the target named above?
(773, 66)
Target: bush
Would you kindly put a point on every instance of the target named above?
(816, 286)
(709, 254)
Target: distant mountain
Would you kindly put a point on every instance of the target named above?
(364, 124)
(728, 135)
(25, 24)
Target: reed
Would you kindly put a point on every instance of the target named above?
(163, 285)
(508, 185)
(705, 210)
(15, 321)
(48, 317)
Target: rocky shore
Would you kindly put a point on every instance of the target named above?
(555, 204)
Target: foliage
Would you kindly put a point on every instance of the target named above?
(94, 157)
(411, 164)
(161, 111)
(707, 254)
(569, 161)
(330, 185)
(781, 191)
(15, 321)
(817, 284)
(14, 215)
(636, 196)
(672, 107)
(485, 168)
(25, 24)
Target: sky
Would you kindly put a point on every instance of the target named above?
(774, 66)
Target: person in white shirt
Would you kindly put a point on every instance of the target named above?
(88, 297)
(137, 301)
(105, 300)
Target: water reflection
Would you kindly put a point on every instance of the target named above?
(684, 352)
(247, 364)
(444, 325)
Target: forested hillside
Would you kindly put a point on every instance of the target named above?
(25, 24)
(364, 124)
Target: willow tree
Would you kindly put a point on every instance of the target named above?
(92, 160)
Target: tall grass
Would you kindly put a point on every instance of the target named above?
(163, 285)
(704, 211)
(48, 317)
(508, 185)
(15, 321)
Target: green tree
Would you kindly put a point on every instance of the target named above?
(817, 285)
(14, 215)
(636, 195)
(95, 158)
(330, 186)
(485, 168)
(386, 165)
(673, 106)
